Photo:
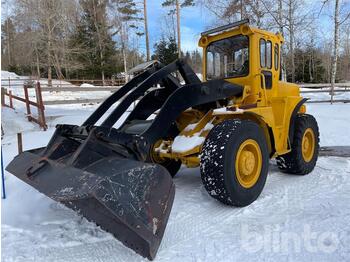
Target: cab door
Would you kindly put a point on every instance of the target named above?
(265, 50)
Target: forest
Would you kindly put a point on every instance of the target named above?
(100, 39)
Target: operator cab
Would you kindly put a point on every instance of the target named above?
(242, 55)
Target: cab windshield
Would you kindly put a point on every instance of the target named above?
(228, 58)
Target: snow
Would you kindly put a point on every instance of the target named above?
(35, 228)
(16, 86)
(185, 143)
(14, 122)
(325, 95)
(220, 110)
(200, 76)
(190, 127)
(7, 74)
(86, 85)
(225, 110)
(208, 127)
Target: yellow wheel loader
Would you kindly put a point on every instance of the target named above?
(230, 125)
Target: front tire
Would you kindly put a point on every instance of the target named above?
(234, 162)
(301, 160)
(172, 165)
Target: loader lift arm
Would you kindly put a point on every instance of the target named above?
(101, 171)
(171, 100)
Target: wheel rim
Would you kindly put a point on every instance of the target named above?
(308, 145)
(248, 163)
(155, 156)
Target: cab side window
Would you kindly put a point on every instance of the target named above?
(266, 62)
(269, 54)
(265, 54)
(262, 53)
(276, 57)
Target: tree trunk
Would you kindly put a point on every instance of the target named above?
(58, 68)
(100, 45)
(178, 27)
(8, 44)
(37, 62)
(102, 66)
(282, 52)
(311, 79)
(148, 56)
(291, 37)
(125, 65)
(49, 60)
(335, 48)
(124, 39)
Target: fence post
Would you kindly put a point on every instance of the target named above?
(26, 96)
(10, 97)
(3, 91)
(3, 191)
(19, 143)
(41, 108)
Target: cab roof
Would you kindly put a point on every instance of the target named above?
(236, 28)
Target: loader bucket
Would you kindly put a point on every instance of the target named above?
(128, 198)
(102, 171)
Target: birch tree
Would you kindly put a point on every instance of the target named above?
(47, 26)
(335, 47)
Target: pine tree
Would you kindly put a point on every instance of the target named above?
(165, 51)
(95, 39)
(172, 3)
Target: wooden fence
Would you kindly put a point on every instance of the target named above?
(326, 88)
(38, 103)
(324, 85)
(65, 86)
(62, 83)
(318, 88)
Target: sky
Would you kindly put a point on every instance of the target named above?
(194, 20)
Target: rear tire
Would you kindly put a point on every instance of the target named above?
(303, 157)
(227, 154)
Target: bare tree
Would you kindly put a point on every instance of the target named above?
(233, 10)
(178, 28)
(146, 29)
(291, 10)
(47, 25)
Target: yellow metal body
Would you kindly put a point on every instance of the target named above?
(271, 108)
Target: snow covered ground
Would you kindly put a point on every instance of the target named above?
(295, 219)
(16, 86)
(325, 95)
